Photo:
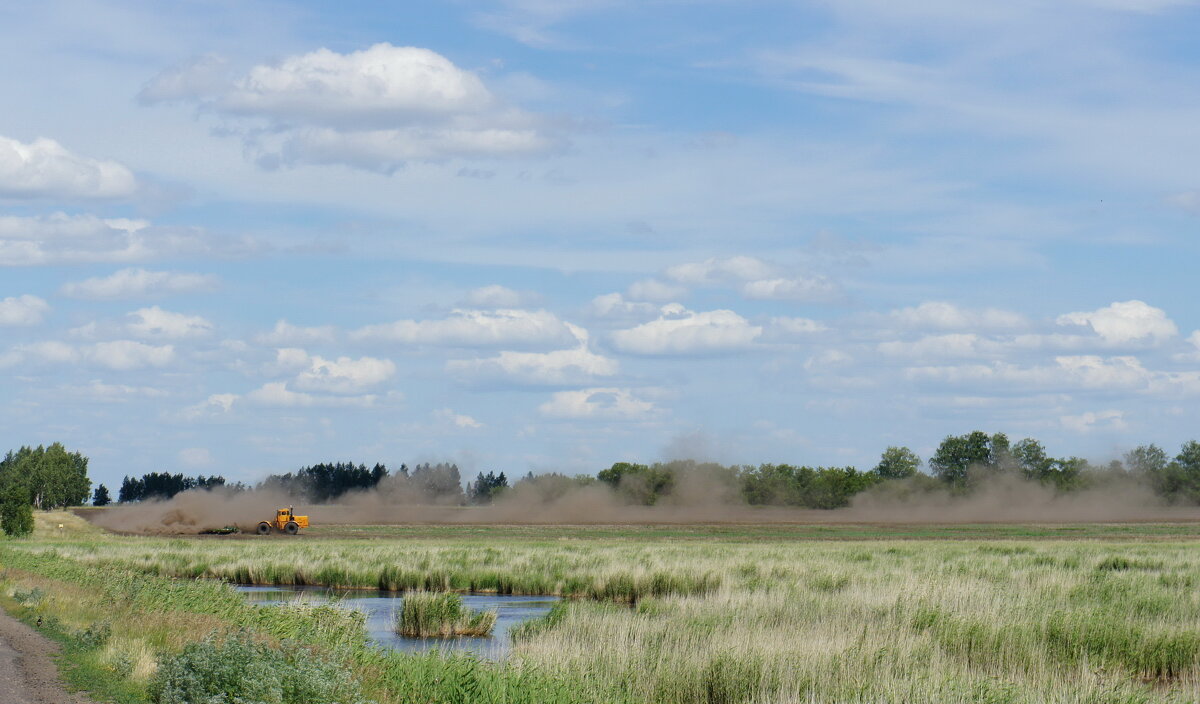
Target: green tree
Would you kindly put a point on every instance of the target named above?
(52, 476)
(897, 463)
(1146, 460)
(16, 511)
(958, 455)
(101, 497)
(1032, 459)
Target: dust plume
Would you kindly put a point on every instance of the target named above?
(697, 496)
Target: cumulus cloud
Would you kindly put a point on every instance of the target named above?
(1125, 322)
(949, 345)
(277, 394)
(156, 323)
(458, 420)
(496, 296)
(344, 375)
(804, 289)
(284, 333)
(135, 283)
(71, 239)
(1090, 372)
(560, 367)
(655, 291)
(614, 306)
(1090, 421)
(716, 271)
(940, 315)
(598, 404)
(119, 355)
(681, 331)
(127, 355)
(374, 109)
(475, 328)
(97, 390)
(755, 279)
(44, 168)
(23, 310)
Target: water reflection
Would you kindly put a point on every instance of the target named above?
(379, 607)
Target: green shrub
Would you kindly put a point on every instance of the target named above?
(237, 670)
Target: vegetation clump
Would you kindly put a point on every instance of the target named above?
(441, 614)
(236, 669)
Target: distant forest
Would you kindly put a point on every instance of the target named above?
(960, 463)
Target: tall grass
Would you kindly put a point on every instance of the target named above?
(694, 621)
(441, 614)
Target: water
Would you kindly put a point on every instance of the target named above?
(379, 607)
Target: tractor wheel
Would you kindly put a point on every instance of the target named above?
(264, 528)
(292, 528)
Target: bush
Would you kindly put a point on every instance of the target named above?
(237, 670)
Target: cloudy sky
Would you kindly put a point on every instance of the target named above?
(240, 237)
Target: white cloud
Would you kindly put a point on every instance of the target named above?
(940, 315)
(1088, 422)
(655, 291)
(598, 404)
(49, 351)
(277, 394)
(133, 283)
(716, 271)
(458, 420)
(23, 310)
(681, 331)
(156, 323)
(71, 239)
(615, 306)
(797, 326)
(949, 345)
(284, 333)
(572, 366)
(373, 109)
(1123, 322)
(754, 278)
(475, 328)
(100, 391)
(195, 457)
(43, 168)
(807, 289)
(1090, 372)
(496, 296)
(128, 355)
(344, 375)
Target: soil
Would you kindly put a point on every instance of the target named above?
(28, 673)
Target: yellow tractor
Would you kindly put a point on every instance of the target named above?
(286, 521)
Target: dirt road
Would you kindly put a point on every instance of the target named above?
(28, 674)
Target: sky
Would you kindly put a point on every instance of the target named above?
(239, 238)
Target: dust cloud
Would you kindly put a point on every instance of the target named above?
(697, 498)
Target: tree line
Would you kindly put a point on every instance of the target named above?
(959, 464)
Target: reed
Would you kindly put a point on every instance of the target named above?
(441, 614)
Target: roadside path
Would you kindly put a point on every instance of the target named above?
(28, 674)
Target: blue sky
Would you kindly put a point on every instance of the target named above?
(535, 235)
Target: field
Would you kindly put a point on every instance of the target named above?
(756, 614)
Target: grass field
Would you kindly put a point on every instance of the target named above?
(756, 614)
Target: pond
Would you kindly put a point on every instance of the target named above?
(379, 607)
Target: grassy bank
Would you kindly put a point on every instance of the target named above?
(736, 618)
